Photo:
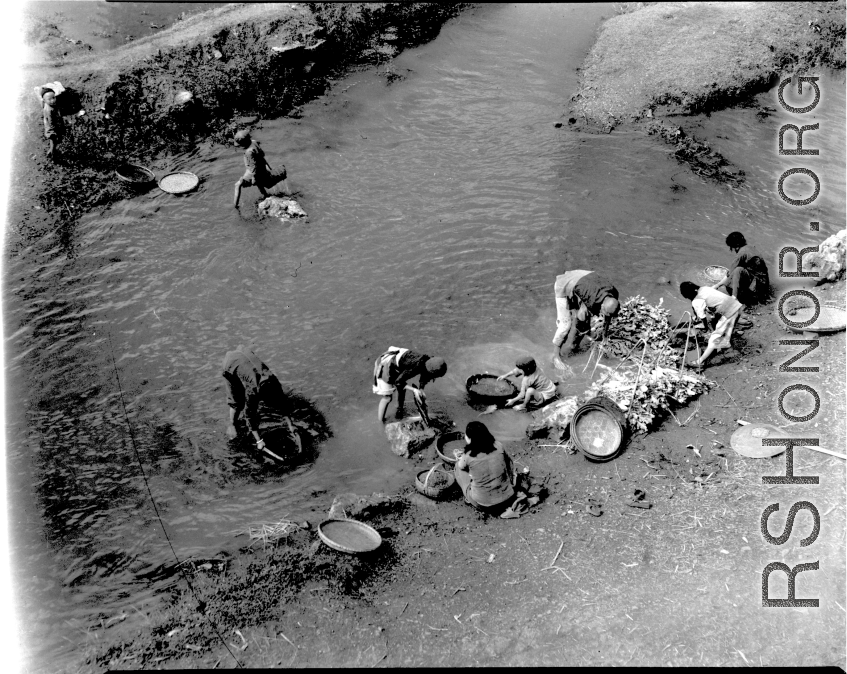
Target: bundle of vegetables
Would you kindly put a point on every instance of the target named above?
(655, 392)
(639, 320)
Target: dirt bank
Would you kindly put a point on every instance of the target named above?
(672, 59)
(691, 57)
(240, 63)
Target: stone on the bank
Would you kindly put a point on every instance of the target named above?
(284, 209)
(356, 507)
(408, 436)
(829, 261)
(555, 416)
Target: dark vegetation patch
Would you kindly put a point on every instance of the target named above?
(697, 155)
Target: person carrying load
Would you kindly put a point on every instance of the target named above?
(258, 172)
(249, 382)
(717, 312)
(581, 294)
(392, 372)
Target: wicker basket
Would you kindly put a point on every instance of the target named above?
(423, 479)
(135, 174)
(714, 273)
(441, 444)
(349, 536)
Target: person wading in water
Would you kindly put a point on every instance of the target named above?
(249, 382)
(580, 294)
(258, 172)
(392, 372)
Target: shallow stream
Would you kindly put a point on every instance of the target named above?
(442, 203)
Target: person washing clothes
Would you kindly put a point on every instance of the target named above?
(54, 125)
(536, 388)
(747, 278)
(581, 294)
(487, 477)
(717, 311)
(249, 382)
(258, 172)
(392, 372)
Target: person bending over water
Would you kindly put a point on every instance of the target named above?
(717, 311)
(581, 294)
(258, 172)
(249, 381)
(487, 476)
(536, 388)
(392, 372)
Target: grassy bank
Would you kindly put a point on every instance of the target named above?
(240, 63)
(691, 57)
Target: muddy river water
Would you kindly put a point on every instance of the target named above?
(442, 203)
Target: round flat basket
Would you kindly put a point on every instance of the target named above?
(135, 175)
(450, 446)
(714, 273)
(747, 441)
(349, 536)
(487, 389)
(598, 429)
(434, 483)
(179, 183)
(830, 319)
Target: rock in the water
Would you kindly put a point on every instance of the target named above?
(284, 209)
(829, 261)
(556, 416)
(353, 506)
(408, 436)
